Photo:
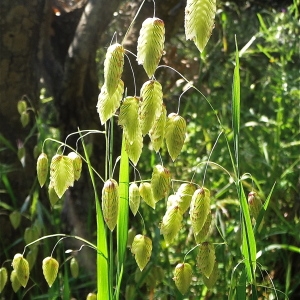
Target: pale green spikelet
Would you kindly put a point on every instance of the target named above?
(171, 223)
(141, 248)
(21, 266)
(42, 168)
(175, 134)
(151, 104)
(107, 105)
(150, 44)
(50, 269)
(3, 278)
(160, 182)
(183, 277)
(254, 204)
(147, 194)
(199, 21)
(129, 119)
(134, 149)
(185, 193)
(206, 258)
(202, 235)
(212, 279)
(61, 173)
(15, 281)
(74, 267)
(134, 198)
(113, 67)
(157, 132)
(110, 203)
(199, 208)
(77, 163)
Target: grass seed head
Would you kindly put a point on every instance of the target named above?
(160, 182)
(206, 258)
(255, 204)
(147, 194)
(3, 278)
(113, 67)
(21, 266)
(175, 134)
(150, 44)
(185, 193)
(50, 269)
(183, 277)
(110, 203)
(141, 248)
(134, 198)
(199, 209)
(42, 168)
(171, 223)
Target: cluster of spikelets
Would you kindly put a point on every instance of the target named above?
(22, 266)
(64, 170)
(144, 114)
(186, 197)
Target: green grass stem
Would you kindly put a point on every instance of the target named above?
(122, 224)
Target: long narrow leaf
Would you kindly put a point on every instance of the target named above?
(103, 288)
(248, 242)
(241, 286)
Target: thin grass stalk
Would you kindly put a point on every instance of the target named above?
(122, 224)
(103, 288)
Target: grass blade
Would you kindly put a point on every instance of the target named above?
(248, 240)
(103, 287)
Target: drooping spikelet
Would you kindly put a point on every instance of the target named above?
(147, 194)
(199, 209)
(183, 277)
(185, 193)
(110, 203)
(157, 132)
(134, 197)
(171, 223)
(50, 269)
(160, 182)
(128, 118)
(42, 168)
(113, 67)
(150, 44)
(175, 134)
(107, 105)
(141, 248)
(151, 105)
(199, 21)
(206, 258)
(21, 266)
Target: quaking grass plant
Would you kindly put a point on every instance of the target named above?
(139, 116)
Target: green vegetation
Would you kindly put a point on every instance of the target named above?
(209, 212)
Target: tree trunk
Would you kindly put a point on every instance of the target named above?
(21, 23)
